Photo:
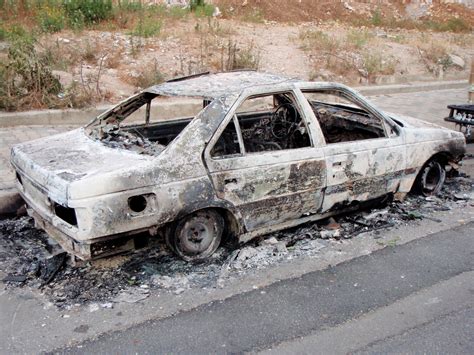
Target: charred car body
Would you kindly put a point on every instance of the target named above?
(264, 153)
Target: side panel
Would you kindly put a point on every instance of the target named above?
(272, 187)
(363, 170)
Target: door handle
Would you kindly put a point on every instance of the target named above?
(230, 181)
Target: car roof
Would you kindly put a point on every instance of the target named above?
(211, 86)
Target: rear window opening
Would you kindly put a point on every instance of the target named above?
(146, 123)
(67, 214)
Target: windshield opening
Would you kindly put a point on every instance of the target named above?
(145, 123)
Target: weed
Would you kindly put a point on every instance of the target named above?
(451, 25)
(178, 12)
(26, 78)
(130, 5)
(88, 53)
(147, 27)
(376, 18)
(389, 243)
(136, 45)
(17, 32)
(318, 40)
(149, 75)
(233, 57)
(113, 60)
(255, 15)
(358, 39)
(375, 63)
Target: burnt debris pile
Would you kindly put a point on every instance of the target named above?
(28, 258)
(114, 137)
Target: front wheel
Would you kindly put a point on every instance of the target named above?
(196, 236)
(431, 178)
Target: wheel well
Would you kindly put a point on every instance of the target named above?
(232, 225)
(441, 157)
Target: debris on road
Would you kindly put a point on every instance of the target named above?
(25, 254)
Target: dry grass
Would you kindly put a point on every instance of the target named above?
(318, 40)
(377, 63)
(358, 39)
(148, 74)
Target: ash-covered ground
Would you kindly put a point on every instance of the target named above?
(25, 254)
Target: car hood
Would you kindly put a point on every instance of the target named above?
(58, 163)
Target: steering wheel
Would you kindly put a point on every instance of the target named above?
(283, 120)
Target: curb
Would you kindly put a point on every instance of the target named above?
(82, 117)
(411, 87)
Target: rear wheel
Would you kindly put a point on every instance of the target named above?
(431, 178)
(196, 236)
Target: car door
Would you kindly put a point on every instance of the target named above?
(364, 167)
(267, 183)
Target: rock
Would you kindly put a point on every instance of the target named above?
(457, 61)
(334, 233)
(246, 253)
(131, 295)
(348, 7)
(216, 12)
(93, 307)
(462, 196)
(269, 241)
(179, 291)
(281, 248)
(168, 283)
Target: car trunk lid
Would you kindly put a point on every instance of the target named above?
(52, 164)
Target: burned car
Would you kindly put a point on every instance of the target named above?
(263, 153)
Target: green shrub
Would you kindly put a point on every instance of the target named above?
(201, 9)
(87, 12)
(194, 4)
(130, 5)
(51, 19)
(376, 18)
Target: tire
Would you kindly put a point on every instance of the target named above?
(196, 236)
(431, 178)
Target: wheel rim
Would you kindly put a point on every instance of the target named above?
(197, 236)
(433, 178)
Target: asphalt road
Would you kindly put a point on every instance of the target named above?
(285, 314)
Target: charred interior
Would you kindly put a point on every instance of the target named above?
(343, 124)
(150, 137)
(264, 128)
(262, 123)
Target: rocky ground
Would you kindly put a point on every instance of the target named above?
(25, 254)
(120, 63)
